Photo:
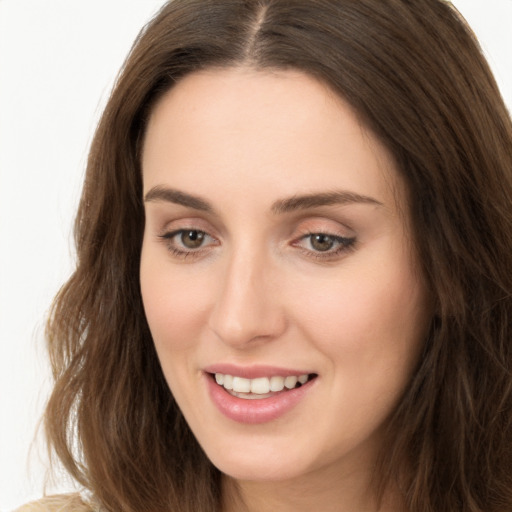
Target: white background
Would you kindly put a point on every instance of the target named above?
(58, 60)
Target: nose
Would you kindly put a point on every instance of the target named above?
(247, 310)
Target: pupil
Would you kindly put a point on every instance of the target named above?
(192, 239)
(322, 242)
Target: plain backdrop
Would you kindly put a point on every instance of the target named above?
(58, 60)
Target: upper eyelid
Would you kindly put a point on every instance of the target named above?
(340, 230)
(299, 228)
(190, 223)
(326, 233)
(172, 233)
(338, 238)
(322, 210)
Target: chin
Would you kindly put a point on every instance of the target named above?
(254, 471)
(259, 462)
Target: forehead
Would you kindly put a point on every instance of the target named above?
(283, 131)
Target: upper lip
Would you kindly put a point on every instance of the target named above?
(254, 371)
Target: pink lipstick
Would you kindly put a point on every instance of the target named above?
(256, 394)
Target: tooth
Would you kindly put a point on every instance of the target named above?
(303, 379)
(228, 382)
(290, 382)
(250, 396)
(276, 383)
(260, 386)
(241, 385)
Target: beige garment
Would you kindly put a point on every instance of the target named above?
(58, 503)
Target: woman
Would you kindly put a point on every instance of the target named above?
(294, 268)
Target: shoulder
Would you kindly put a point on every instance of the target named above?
(58, 503)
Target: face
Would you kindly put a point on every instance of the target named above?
(277, 273)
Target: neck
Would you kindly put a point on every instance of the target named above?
(324, 492)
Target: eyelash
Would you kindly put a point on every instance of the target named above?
(169, 239)
(344, 244)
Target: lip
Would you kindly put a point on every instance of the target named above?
(256, 411)
(254, 372)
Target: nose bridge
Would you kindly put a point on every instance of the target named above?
(246, 309)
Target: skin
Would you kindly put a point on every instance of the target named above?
(258, 291)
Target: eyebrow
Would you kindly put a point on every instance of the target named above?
(291, 204)
(304, 202)
(169, 195)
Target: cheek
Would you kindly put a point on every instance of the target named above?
(370, 327)
(175, 310)
(372, 316)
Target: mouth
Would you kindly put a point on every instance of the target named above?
(260, 387)
(258, 394)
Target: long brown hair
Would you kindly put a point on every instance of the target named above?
(417, 78)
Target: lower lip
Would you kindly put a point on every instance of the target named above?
(258, 410)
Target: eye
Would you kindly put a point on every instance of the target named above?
(187, 242)
(192, 239)
(322, 242)
(324, 245)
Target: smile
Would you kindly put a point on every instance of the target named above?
(259, 399)
(261, 387)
